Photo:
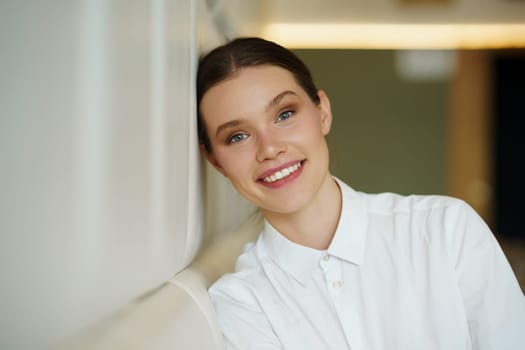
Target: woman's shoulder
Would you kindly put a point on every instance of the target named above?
(391, 202)
(237, 291)
(394, 202)
(248, 269)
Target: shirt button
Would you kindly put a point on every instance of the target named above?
(326, 257)
(337, 284)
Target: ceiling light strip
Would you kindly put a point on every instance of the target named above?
(397, 36)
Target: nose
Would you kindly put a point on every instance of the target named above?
(269, 147)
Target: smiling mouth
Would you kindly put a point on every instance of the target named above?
(283, 173)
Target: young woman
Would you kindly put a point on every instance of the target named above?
(335, 268)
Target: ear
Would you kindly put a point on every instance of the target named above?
(326, 112)
(210, 157)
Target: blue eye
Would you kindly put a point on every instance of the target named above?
(284, 115)
(237, 138)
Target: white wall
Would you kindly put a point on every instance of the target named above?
(99, 163)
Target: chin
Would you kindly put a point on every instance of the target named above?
(292, 205)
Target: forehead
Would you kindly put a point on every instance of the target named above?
(248, 90)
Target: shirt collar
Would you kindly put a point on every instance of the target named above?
(297, 260)
(350, 236)
(348, 242)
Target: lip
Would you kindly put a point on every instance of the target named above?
(278, 168)
(284, 181)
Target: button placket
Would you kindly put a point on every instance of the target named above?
(331, 268)
(324, 263)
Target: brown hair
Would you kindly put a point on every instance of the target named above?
(224, 61)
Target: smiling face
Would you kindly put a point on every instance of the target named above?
(268, 138)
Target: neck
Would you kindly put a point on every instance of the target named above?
(314, 225)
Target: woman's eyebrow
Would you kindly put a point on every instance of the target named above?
(279, 97)
(228, 124)
(272, 103)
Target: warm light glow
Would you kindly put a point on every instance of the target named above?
(396, 36)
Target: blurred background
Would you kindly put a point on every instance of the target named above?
(106, 204)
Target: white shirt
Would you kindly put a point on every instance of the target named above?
(402, 272)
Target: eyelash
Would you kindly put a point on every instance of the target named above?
(238, 137)
(288, 113)
(232, 138)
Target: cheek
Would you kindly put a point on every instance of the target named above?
(309, 134)
(234, 164)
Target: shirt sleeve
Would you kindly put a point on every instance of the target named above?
(243, 323)
(494, 302)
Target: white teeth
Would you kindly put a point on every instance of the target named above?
(281, 174)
